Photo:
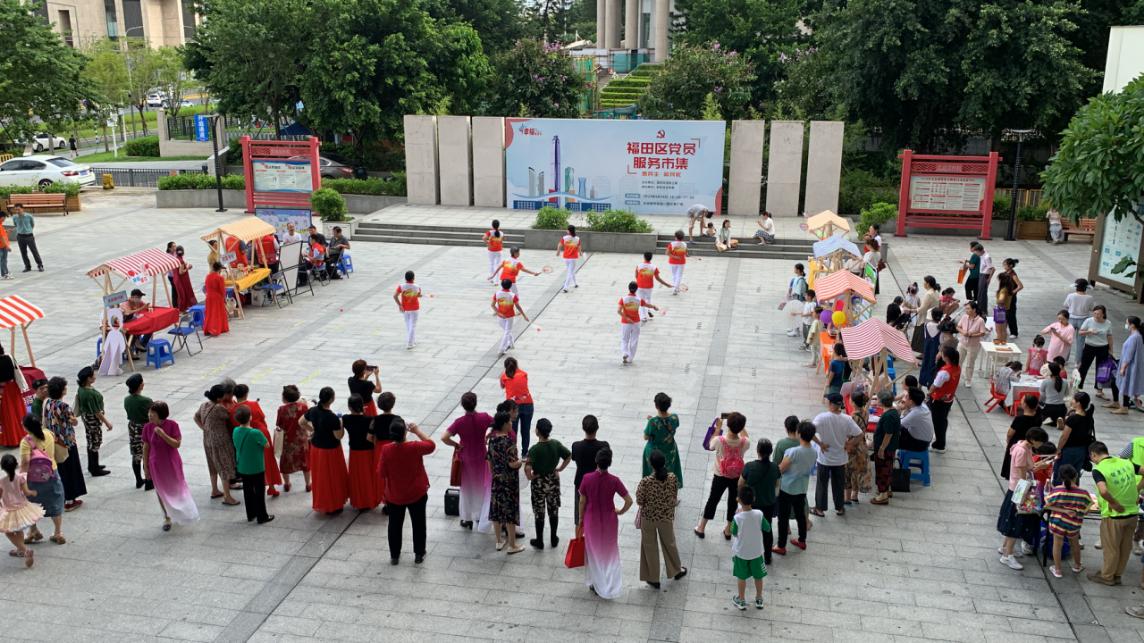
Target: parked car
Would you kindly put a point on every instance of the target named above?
(43, 170)
(43, 141)
(155, 99)
(330, 169)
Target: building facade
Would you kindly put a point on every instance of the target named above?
(646, 24)
(161, 23)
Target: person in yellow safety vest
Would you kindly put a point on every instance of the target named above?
(1118, 487)
(1134, 451)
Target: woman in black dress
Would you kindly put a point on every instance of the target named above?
(361, 385)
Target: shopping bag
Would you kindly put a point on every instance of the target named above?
(961, 275)
(455, 470)
(279, 442)
(1025, 497)
(999, 314)
(707, 436)
(575, 556)
(900, 480)
(1106, 371)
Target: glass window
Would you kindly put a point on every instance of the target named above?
(112, 19)
(65, 25)
(60, 161)
(133, 19)
(188, 19)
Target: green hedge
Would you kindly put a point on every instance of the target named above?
(550, 218)
(200, 182)
(393, 186)
(877, 214)
(860, 189)
(617, 221)
(70, 189)
(142, 146)
(329, 205)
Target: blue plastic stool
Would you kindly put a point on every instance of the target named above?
(920, 459)
(159, 351)
(346, 263)
(198, 315)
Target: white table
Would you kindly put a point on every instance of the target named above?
(1027, 384)
(993, 355)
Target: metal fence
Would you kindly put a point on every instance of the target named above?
(138, 178)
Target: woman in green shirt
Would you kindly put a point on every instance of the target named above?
(659, 433)
(137, 406)
(249, 447)
(89, 407)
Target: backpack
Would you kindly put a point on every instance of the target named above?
(731, 462)
(39, 464)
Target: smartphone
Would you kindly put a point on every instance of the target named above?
(373, 369)
(724, 415)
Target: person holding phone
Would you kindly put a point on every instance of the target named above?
(361, 385)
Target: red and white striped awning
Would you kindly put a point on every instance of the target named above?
(149, 262)
(836, 283)
(873, 335)
(15, 311)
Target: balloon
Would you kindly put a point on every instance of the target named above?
(840, 304)
(839, 318)
(825, 318)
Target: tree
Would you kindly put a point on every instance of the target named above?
(41, 79)
(172, 77)
(1100, 165)
(251, 54)
(532, 79)
(144, 73)
(680, 89)
(765, 32)
(499, 23)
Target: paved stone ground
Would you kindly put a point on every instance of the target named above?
(922, 568)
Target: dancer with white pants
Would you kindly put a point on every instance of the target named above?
(677, 258)
(506, 305)
(630, 307)
(646, 276)
(512, 267)
(570, 248)
(408, 300)
(494, 242)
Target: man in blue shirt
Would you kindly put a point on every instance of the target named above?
(25, 223)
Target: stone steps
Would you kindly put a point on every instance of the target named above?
(785, 249)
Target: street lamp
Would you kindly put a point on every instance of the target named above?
(218, 170)
(1011, 233)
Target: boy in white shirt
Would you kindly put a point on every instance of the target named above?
(747, 548)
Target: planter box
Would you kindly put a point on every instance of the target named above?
(627, 242)
(348, 228)
(1035, 230)
(73, 203)
(355, 203)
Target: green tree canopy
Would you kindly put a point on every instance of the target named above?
(534, 80)
(680, 90)
(1100, 165)
(41, 79)
(498, 22)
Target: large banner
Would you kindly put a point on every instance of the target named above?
(1121, 239)
(648, 167)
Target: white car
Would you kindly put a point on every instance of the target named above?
(43, 141)
(43, 170)
(155, 100)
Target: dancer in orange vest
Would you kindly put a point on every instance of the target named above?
(494, 242)
(570, 248)
(646, 276)
(408, 300)
(630, 307)
(512, 267)
(677, 257)
(506, 305)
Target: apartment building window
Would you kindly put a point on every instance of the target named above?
(112, 19)
(65, 24)
(133, 19)
(189, 25)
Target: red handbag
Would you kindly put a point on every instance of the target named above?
(455, 470)
(575, 556)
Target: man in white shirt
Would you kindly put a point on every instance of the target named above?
(917, 422)
(291, 235)
(835, 430)
(696, 214)
(987, 270)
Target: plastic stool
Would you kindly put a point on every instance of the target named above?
(909, 459)
(198, 315)
(346, 262)
(159, 351)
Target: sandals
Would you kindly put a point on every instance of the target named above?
(35, 538)
(29, 558)
(59, 540)
(500, 545)
(216, 496)
(699, 533)
(516, 550)
(16, 554)
(167, 525)
(233, 502)
(817, 512)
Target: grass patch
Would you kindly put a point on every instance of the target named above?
(109, 157)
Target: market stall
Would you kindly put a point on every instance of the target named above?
(855, 294)
(17, 312)
(875, 339)
(136, 270)
(242, 277)
(826, 224)
(832, 253)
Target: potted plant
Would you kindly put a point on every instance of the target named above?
(1032, 222)
(331, 207)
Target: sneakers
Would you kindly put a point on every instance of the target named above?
(792, 333)
(781, 551)
(1011, 562)
(1027, 549)
(1017, 552)
(758, 603)
(1055, 572)
(801, 544)
(739, 603)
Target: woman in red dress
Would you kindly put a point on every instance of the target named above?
(295, 441)
(328, 474)
(12, 407)
(184, 291)
(365, 491)
(217, 321)
(258, 421)
(361, 385)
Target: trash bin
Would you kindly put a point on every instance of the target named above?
(108, 182)
(360, 172)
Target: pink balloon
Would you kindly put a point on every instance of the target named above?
(839, 305)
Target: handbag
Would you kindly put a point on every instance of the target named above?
(707, 436)
(639, 518)
(1025, 497)
(61, 452)
(999, 314)
(900, 481)
(279, 441)
(455, 470)
(574, 557)
(1106, 371)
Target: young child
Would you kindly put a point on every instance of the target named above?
(812, 343)
(1067, 504)
(747, 548)
(858, 461)
(808, 318)
(1038, 355)
(1059, 360)
(16, 513)
(1005, 376)
(948, 303)
(542, 470)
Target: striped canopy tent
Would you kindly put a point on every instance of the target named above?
(138, 268)
(875, 339)
(246, 230)
(825, 224)
(832, 252)
(848, 287)
(17, 312)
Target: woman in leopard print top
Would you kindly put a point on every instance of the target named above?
(656, 497)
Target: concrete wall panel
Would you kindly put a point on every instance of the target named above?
(784, 168)
(454, 158)
(747, 140)
(824, 167)
(421, 159)
(488, 161)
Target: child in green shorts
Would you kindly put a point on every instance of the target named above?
(747, 548)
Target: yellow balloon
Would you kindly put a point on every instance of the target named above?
(839, 318)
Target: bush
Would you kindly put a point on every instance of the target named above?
(617, 221)
(198, 181)
(70, 189)
(1002, 205)
(385, 187)
(329, 205)
(877, 214)
(142, 146)
(1037, 212)
(550, 218)
(861, 189)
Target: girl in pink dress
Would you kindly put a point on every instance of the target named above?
(599, 526)
(16, 513)
(476, 479)
(164, 467)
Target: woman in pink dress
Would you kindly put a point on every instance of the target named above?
(181, 278)
(163, 466)
(599, 526)
(476, 479)
(1061, 336)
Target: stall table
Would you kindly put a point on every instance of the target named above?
(1027, 385)
(148, 322)
(246, 282)
(993, 354)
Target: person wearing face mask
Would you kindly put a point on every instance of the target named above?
(1130, 375)
(184, 291)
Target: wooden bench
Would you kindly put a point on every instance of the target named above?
(1085, 227)
(40, 201)
(944, 222)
